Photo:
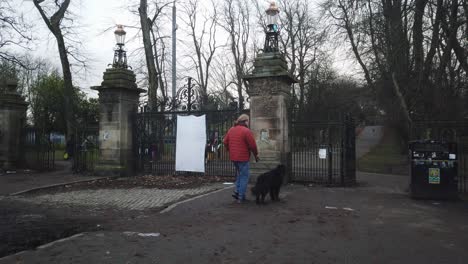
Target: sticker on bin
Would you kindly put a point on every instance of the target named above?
(434, 176)
(452, 156)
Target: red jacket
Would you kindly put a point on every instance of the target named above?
(240, 142)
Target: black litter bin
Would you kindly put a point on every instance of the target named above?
(433, 169)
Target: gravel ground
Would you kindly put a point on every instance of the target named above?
(372, 223)
(375, 222)
(46, 215)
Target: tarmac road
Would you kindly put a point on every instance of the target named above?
(374, 223)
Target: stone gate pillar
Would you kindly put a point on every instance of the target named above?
(118, 102)
(12, 120)
(269, 90)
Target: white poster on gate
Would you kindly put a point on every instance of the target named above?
(190, 143)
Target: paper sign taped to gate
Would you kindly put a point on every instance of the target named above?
(190, 143)
(322, 153)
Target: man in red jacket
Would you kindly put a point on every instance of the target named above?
(239, 141)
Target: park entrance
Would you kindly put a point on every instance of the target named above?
(154, 142)
(323, 151)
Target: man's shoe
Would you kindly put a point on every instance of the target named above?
(235, 195)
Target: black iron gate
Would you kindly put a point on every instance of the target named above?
(323, 152)
(155, 141)
(86, 149)
(449, 131)
(155, 133)
(37, 150)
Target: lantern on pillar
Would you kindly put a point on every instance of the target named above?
(120, 55)
(272, 32)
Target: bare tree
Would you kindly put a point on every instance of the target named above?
(152, 41)
(146, 24)
(412, 52)
(54, 22)
(236, 22)
(203, 39)
(379, 41)
(15, 32)
(301, 39)
(160, 55)
(224, 76)
(26, 73)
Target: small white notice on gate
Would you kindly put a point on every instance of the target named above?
(322, 153)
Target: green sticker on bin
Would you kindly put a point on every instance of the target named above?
(434, 175)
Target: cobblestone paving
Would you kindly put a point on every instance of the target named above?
(133, 199)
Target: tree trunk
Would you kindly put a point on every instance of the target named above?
(149, 56)
(53, 23)
(350, 33)
(158, 62)
(67, 79)
(418, 40)
(434, 40)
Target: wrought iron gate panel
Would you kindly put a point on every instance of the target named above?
(86, 149)
(37, 151)
(323, 152)
(463, 164)
(349, 151)
(155, 141)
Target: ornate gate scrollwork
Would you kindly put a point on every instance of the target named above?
(155, 133)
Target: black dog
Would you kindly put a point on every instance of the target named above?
(269, 182)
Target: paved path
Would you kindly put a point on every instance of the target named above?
(11, 183)
(369, 137)
(132, 199)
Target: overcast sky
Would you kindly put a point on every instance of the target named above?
(95, 16)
